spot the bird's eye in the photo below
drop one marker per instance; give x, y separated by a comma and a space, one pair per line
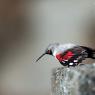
49, 51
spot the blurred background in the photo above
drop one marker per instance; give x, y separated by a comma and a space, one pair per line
26, 29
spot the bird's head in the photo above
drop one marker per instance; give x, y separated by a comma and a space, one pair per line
49, 50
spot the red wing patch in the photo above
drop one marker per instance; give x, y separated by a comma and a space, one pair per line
62, 57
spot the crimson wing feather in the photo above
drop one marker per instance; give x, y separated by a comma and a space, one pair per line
73, 56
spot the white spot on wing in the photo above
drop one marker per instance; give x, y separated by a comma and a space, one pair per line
71, 63
75, 60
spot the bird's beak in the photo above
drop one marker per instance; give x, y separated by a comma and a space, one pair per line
40, 56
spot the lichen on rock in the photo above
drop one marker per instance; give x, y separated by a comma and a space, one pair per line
79, 80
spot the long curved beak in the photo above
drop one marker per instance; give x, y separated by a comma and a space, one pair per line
40, 56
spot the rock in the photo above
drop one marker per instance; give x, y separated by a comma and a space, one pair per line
79, 80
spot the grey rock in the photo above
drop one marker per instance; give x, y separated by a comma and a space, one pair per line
79, 80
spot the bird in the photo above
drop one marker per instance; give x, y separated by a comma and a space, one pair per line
69, 54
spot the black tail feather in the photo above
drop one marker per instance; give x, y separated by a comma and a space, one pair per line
93, 54
90, 52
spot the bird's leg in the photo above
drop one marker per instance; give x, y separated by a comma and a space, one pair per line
68, 65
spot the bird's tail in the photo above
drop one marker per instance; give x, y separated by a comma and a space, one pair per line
90, 51
92, 55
